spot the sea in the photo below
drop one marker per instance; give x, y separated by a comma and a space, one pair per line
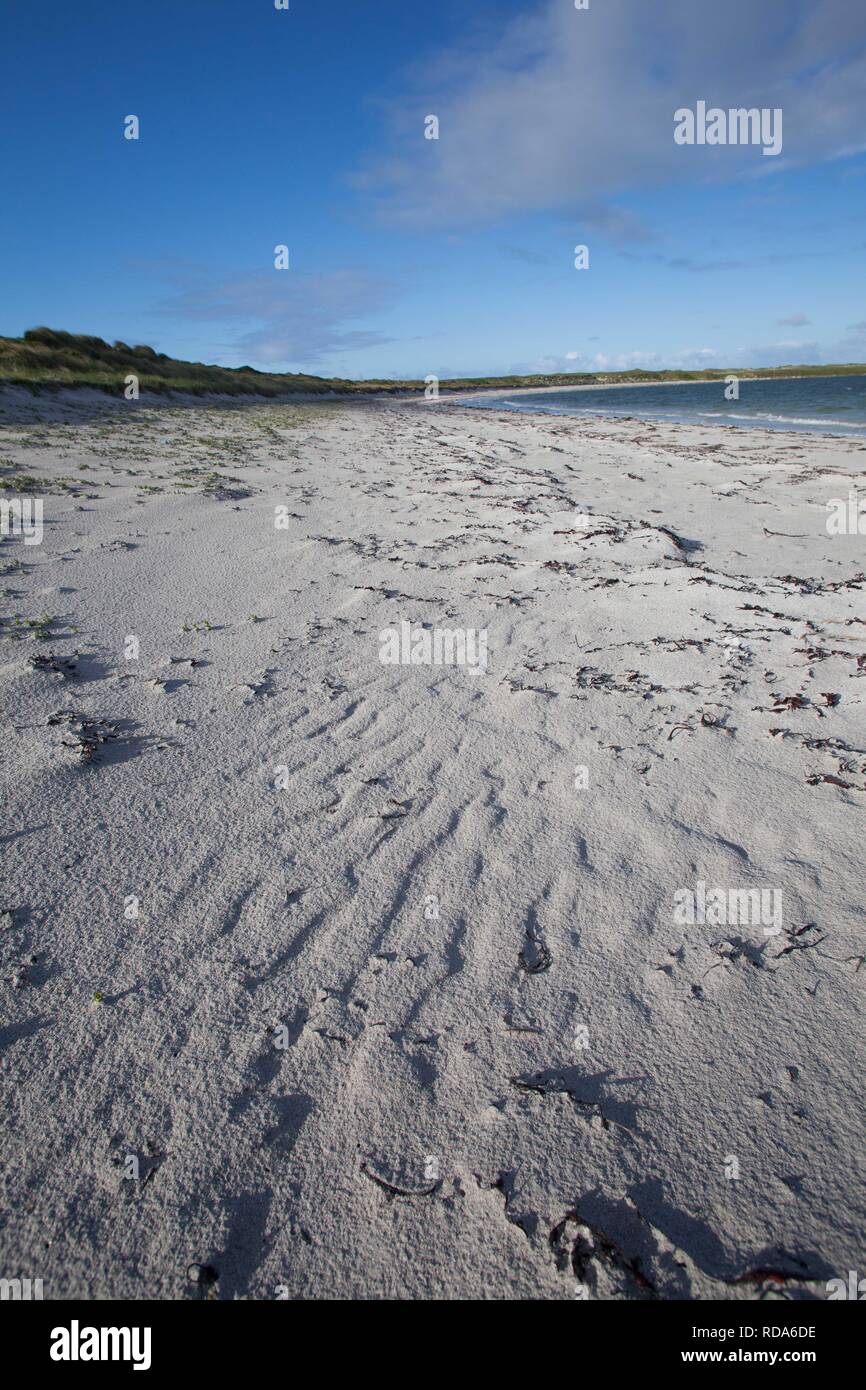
814, 404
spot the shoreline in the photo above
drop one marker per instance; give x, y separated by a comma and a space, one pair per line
21, 403
744, 423
746, 430
620, 385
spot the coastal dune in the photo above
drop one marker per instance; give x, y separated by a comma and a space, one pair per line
328, 976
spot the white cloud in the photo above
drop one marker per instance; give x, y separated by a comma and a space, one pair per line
626, 361
568, 109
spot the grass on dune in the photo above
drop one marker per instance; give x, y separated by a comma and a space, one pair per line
48, 358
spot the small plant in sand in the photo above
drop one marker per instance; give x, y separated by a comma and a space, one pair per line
201, 625
40, 628
98, 997
20, 482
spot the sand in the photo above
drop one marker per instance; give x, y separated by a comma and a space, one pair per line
329, 978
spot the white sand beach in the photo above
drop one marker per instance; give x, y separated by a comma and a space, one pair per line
327, 978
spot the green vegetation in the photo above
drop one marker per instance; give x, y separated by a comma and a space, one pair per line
18, 482
46, 358
508, 383
40, 628
12, 481
49, 358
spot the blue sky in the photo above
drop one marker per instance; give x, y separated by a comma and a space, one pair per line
411, 256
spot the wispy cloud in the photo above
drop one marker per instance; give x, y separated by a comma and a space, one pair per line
793, 321
784, 351
285, 318
693, 263
523, 253
568, 109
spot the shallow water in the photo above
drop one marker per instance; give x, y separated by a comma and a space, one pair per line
823, 404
